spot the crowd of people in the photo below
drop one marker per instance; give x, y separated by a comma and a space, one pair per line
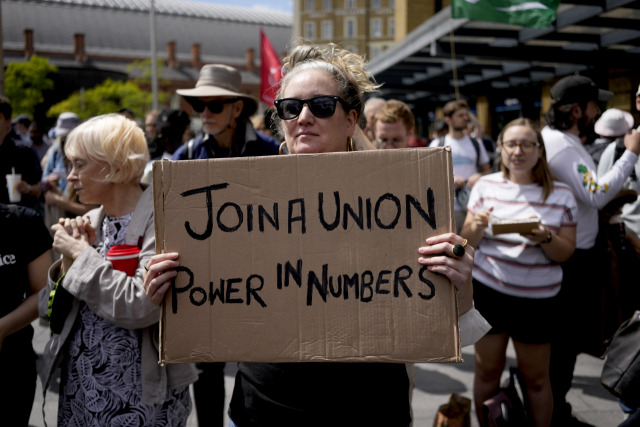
78, 193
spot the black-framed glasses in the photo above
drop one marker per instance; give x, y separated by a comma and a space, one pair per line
525, 145
321, 106
215, 106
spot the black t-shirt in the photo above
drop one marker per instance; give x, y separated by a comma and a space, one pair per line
22, 160
321, 394
24, 238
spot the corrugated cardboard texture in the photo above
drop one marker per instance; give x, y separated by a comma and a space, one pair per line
306, 258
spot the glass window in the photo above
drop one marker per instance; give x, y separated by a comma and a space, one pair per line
327, 30
309, 6
376, 27
350, 28
327, 5
310, 30
349, 4
392, 27
375, 4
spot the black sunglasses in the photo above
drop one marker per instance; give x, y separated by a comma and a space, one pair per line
216, 106
321, 106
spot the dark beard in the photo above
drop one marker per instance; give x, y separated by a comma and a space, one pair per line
587, 132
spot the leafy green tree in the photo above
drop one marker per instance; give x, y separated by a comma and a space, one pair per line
140, 71
25, 83
108, 97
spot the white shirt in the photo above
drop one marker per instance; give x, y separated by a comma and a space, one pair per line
630, 211
511, 263
464, 158
147, 176
570, 163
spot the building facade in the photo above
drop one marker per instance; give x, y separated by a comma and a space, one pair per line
368, 27
363, 26
90, 40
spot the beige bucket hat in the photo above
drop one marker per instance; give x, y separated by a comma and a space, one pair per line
220, 80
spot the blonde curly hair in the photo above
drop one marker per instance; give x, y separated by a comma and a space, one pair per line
347, 68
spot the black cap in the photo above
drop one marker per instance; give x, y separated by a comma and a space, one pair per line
176, 120
576, 88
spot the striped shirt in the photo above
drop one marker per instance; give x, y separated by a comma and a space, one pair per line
511, 263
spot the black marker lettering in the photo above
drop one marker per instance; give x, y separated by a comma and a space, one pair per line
175, 290
429, 218
253, 290
232, 290
396, 201
207, 191
262, 214
217, 293
351, 282
314, 282
301, 217
398, 281
428, 282
381, 281
239, 215
349, 212
336, 221
366, 288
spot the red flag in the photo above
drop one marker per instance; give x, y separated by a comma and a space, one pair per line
270, 70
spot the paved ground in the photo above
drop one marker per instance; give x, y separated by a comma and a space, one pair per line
433, 384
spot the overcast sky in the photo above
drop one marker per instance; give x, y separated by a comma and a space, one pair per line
274, 5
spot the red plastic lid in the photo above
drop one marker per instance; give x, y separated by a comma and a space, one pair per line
123, 251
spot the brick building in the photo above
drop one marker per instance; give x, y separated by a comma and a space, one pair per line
90, 40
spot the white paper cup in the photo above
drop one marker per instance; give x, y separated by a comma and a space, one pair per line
12, 187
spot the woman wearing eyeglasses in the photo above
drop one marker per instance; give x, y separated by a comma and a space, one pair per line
516, 276
318, 106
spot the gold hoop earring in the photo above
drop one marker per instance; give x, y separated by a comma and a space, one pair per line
350, 145
283, 149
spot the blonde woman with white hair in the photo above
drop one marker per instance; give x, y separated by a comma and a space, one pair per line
103, 325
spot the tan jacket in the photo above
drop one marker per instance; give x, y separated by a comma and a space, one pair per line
119, 299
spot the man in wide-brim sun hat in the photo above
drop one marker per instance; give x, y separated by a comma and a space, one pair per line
224, 110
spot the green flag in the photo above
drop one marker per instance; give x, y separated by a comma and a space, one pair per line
528, 13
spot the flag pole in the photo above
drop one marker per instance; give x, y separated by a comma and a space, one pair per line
154, 61
454, 66
1, 56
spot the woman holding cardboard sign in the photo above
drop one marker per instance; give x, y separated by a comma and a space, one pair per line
516, 276
319, 103
103, 326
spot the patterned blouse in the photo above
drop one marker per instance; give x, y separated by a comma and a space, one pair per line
101, 374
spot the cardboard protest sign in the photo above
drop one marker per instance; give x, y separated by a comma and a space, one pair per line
306, 258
